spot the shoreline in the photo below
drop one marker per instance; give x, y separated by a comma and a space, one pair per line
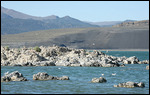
121, 49
99, 49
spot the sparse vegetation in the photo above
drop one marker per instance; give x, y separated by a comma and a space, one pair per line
37, 49
7, 48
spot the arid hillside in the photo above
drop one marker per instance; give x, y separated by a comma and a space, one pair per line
126, 37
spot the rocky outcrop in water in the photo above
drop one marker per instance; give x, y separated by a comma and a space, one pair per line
14, 76
45, 76
98, 80
61, 56
144, 62
130, 84
131, 60
147, 67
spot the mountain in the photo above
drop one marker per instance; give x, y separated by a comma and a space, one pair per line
13, 22
3, 16
128, 20
19, 15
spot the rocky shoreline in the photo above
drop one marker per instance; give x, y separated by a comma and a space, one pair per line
62, 56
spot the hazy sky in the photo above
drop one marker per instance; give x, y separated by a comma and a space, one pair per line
94, 11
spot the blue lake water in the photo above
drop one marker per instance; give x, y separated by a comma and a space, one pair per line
80, 78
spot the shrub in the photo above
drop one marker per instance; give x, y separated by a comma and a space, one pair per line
7, 48
37, 49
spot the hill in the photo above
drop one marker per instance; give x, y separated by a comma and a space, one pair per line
133, 23
109, 23
106, 23
135, 37
13, 22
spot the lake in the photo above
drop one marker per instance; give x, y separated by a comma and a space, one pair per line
80, 78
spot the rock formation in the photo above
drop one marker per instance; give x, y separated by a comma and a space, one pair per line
45, 76
147, 67
130, 84
131, 60
14, 76
62, 56
98, 80
144, 62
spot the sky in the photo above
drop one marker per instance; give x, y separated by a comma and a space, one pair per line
93, 11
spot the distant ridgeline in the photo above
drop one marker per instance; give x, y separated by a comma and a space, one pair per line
13, 22
135, 23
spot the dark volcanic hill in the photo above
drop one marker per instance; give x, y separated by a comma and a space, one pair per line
127, 37
13, 22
